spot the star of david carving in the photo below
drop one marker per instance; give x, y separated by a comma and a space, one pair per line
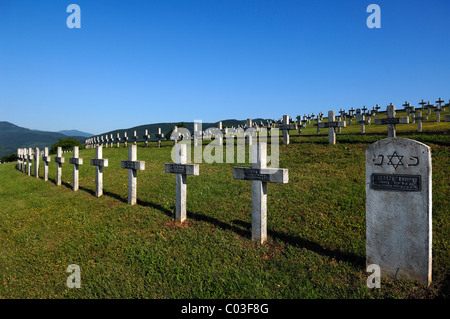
395, 160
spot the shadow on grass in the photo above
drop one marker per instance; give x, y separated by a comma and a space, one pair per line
116, 196
243, 229
65, 184
351, 258
87, 190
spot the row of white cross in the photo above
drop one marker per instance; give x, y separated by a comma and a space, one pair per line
258, 173
286, 124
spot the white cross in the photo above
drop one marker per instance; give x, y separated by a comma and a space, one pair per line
181, 169
99, 163
260, 175
133, 166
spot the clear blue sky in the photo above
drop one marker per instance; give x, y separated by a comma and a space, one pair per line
139, 62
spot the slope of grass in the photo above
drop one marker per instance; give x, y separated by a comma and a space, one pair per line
316, 229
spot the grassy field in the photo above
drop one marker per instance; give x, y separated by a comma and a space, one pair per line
316, 227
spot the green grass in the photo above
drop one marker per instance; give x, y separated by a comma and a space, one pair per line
316, 228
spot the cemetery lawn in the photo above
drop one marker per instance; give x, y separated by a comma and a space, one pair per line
316, 228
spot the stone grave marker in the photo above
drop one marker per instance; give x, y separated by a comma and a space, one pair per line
285, 127
412, 112
399, 208
99, 163
19, 159
125, 139
260, 175
419, 119
46, 159
159, 136
422, 105
135, 138
118, 140
407, 107
146, 137
351, 115
59, 160
391, 120
361, 119
331, 125
181, 170
24, 160
133, 165
36, 162
30, 159
76, 161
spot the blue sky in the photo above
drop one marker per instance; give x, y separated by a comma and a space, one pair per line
139, 62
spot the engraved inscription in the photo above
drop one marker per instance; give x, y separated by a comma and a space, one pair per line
396, 182
177, 169
255, 174
391, 120
395, 160
131, 165
96, 162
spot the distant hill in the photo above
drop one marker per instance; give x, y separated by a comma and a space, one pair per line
13, 137
165, 127
72, 133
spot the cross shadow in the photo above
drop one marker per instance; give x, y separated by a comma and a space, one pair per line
238, 230
168, 212
296, 241
65, 184
87, 190
116, 196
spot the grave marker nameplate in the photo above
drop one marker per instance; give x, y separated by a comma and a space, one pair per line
399, 208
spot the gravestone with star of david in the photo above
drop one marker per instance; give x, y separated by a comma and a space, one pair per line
399, 208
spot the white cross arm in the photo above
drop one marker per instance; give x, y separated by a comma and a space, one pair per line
270, 175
